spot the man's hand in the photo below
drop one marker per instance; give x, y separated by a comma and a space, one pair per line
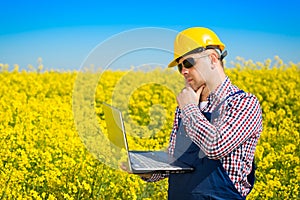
189, 96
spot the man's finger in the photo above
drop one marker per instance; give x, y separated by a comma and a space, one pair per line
199, 91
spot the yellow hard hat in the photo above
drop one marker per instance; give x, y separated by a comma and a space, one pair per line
194, 38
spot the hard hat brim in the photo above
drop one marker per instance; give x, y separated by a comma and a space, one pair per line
173, 63
196, 50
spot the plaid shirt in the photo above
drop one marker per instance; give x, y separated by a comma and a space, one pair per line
230, 138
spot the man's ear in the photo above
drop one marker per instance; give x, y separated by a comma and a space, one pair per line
214, 57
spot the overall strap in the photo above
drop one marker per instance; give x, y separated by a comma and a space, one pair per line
220, 104
214, 114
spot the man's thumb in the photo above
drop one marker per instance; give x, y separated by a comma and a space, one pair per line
199, 91
187, 84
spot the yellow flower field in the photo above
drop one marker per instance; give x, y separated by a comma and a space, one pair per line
53, 135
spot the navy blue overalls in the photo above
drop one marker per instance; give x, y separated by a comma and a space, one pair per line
209, 179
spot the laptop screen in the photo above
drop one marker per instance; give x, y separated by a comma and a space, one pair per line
115, 126
116, 132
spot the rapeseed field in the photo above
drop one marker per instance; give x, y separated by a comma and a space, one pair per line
54, 146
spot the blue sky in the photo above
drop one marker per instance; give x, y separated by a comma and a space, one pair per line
64, 33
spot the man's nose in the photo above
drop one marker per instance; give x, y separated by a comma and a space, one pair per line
184, 71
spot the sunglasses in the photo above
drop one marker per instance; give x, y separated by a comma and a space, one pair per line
188, 63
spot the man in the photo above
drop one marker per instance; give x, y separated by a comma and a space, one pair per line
216, 126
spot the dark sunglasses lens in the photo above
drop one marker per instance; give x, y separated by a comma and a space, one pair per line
179, 67
188, 63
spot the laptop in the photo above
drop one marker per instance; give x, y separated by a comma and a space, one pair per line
139, 162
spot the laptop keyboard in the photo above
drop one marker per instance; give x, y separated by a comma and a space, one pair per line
142, 161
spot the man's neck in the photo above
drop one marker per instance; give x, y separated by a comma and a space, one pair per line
217, 80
